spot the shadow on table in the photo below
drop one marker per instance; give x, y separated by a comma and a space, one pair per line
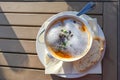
9, 47
2, 75
87, 77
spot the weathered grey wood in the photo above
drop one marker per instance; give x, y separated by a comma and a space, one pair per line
118, 41
27, 19
20, 60
46, 7
110, 30
25, 14
18, 32
9, 73
23, 19
23, 46
87, 77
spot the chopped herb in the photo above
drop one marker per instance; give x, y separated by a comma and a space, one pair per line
61, 30
64, 31
71, 35
64, 37
64, 43
69, 32
64, 48
74, 21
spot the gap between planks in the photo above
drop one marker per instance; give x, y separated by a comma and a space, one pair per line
54, 7
26, 32
20, 61
21, 46
28, 74
29, 19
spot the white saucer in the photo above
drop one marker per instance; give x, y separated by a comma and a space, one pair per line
40, 48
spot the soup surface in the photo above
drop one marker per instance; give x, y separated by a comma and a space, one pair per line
67, 38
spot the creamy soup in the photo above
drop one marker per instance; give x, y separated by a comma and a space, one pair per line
67, 38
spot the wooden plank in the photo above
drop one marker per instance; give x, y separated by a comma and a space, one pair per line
27, 19
110, 30
46, 7
118, 42
23, 19
20, 60
87, 77
9, 73
21, 46
18, 32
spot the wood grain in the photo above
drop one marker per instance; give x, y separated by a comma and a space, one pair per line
110, 30
118, 42
28, 19
47, 7
18, 32
7, 73
23, 19
21, 46
87, 77
20, 60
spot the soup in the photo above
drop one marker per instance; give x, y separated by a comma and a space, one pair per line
67, 37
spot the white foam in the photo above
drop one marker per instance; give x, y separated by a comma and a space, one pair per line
52, 36
77, 44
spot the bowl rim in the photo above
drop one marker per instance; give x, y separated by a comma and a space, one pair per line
57, 16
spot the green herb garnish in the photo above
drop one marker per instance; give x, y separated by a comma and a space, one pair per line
64, 36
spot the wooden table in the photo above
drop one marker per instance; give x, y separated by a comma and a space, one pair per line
19, 24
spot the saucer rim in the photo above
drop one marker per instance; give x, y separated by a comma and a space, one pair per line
69, 75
